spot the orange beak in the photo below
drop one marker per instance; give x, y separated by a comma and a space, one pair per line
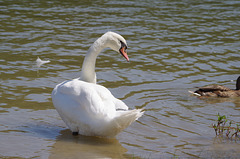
123, 52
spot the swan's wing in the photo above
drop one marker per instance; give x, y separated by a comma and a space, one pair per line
120, 105
92, 99
90, 109
107, 97
82, 108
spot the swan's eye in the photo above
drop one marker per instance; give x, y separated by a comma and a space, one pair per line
123, 45
120, 42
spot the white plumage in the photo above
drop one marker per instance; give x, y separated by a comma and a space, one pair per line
88, 108
40, 62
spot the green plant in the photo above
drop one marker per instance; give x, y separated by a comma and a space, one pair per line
224, 126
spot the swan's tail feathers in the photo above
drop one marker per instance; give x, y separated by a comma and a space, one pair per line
193, 93
125, 118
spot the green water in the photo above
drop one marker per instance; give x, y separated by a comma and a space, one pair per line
173, 46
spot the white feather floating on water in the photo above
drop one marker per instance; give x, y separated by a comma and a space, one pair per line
41, 62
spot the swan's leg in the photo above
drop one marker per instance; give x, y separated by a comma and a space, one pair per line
74, 133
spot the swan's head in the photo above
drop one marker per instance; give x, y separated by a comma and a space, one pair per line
117, 43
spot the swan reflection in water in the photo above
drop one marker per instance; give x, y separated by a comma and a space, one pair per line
68, 146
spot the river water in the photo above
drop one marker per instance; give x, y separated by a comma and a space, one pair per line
173, 45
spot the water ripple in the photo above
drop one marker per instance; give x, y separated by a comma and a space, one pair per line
173, 46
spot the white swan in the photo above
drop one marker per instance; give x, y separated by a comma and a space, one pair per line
88, 108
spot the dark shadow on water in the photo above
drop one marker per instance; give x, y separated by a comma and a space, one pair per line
68, 146
42, 131
215, 100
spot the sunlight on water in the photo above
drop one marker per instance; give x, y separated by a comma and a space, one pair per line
173, 46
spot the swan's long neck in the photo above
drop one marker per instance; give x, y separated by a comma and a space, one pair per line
88, 68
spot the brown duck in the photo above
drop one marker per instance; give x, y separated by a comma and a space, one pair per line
218, 91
